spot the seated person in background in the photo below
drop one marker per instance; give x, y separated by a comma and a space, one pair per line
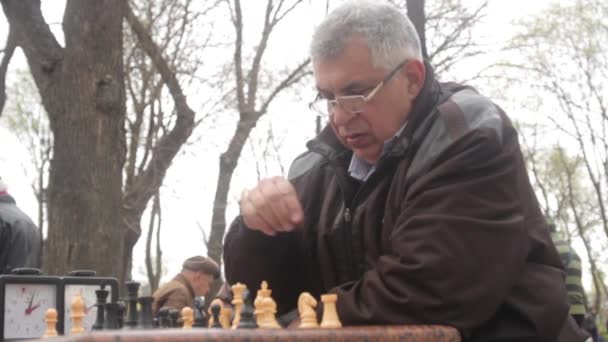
197, 275
20, 238
574, 284
413, 205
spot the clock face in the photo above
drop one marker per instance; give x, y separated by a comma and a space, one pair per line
25, 306
90, 299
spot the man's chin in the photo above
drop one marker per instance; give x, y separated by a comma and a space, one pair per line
366, 154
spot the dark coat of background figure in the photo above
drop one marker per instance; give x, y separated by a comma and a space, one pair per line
20, 238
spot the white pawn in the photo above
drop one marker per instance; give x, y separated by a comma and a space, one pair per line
50, 317
187, 317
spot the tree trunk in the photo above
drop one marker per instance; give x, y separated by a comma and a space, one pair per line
153, 262
415, 11
228, 163
87, 114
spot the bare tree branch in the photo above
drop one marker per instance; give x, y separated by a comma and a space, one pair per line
167, 147
35, 38
11, 44
295, 76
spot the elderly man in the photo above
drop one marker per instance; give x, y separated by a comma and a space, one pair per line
195, 279
20, 239
413, 205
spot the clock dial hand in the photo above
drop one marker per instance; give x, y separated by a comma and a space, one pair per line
29, 310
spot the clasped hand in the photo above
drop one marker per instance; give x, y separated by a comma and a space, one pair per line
272, 206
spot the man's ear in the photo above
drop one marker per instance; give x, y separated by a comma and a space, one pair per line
415, 73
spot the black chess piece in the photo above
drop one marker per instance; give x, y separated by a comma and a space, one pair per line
132, 289
120, 315
215, 312
163, 318
247, 320
102, 296
200, 318
146, 321
111, 319
173, 317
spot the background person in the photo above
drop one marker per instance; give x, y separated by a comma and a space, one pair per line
197, 275
20, 238
574, 284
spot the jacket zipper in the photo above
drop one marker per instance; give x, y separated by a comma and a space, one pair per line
347, 216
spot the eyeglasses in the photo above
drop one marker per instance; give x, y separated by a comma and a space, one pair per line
353, 104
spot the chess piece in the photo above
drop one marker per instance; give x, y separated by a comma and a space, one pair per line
120, 314
247, 320
111, 319
163, 318
102, 296
50, 317
225, 315
237, 301
215, 315
263, 292
146, 319
132, 289
306, 308
199, 313
187, 317
173, 317
77, 306
330, 314
268, 320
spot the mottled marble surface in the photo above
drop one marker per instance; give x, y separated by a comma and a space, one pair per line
409, 333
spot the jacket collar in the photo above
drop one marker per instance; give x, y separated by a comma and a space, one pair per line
328, 145
181, 279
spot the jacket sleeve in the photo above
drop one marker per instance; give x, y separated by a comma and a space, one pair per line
176, 299
25, 244
458, 246
5, 244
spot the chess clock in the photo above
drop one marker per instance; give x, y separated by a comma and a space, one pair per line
85, 283
25, 295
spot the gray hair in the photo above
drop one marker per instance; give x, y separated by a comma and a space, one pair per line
390, 35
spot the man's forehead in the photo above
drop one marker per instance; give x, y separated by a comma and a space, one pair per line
337, 76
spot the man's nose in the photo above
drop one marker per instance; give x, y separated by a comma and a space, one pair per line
341, 116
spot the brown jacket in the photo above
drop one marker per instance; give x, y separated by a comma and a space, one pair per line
446, 231
175, 294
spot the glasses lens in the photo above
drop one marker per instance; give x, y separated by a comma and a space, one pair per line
321, 106
352, 104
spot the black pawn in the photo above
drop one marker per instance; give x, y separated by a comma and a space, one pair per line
132, 289
215, 312
102, 296
163, 318
200, 319
173, 317
120, 314
247, 320
111, 321
146, 321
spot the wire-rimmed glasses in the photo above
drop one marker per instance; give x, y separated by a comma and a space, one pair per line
353, 104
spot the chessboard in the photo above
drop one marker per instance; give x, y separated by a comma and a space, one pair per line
243, 319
